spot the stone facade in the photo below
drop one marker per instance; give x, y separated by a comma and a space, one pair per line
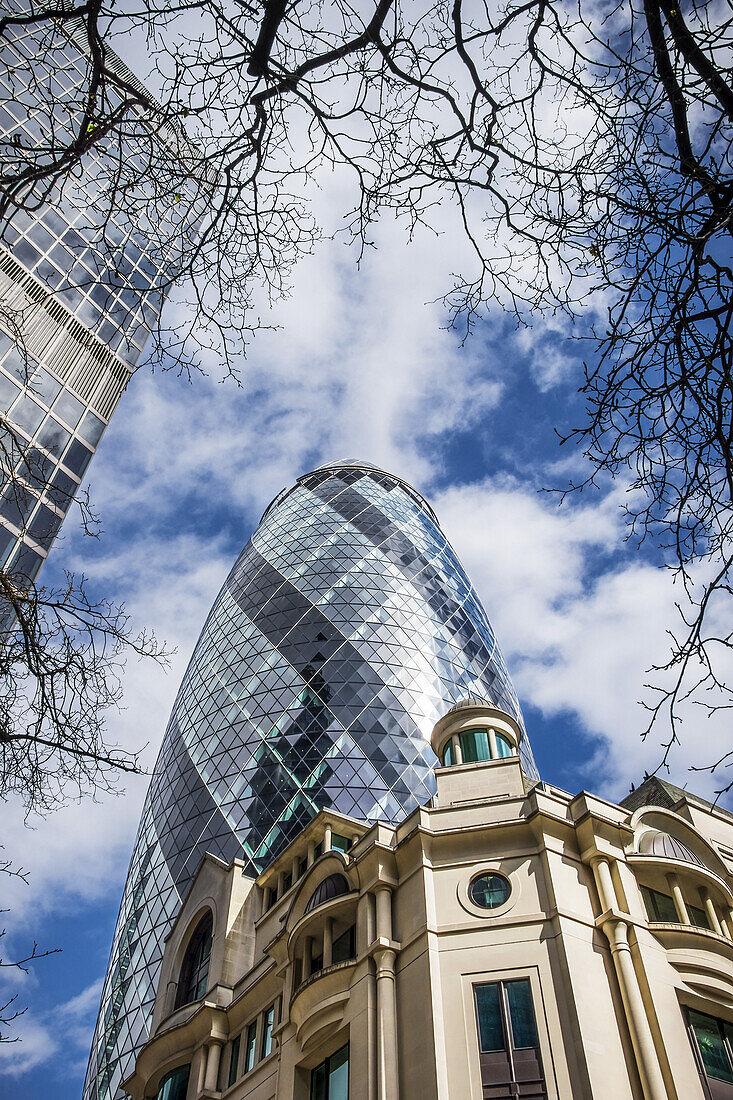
579, 925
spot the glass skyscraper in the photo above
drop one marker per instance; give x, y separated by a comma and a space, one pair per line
84, 263
345, 629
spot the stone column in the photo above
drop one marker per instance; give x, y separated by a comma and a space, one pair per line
307, 956
652, 1082
616, 931
328, 942
211, 1079
294, 869
457, 750
311, 852
711, 911
679, 901
170, 997
199, 1068
604, 883
327, 834
493, 747
388, 1087
281, 884
384, 911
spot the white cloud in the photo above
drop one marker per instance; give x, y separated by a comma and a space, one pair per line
578, 639
61, 1032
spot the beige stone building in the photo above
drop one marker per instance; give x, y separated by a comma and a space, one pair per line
506, 940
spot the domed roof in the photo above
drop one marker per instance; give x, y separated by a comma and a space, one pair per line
471, 701
668, 847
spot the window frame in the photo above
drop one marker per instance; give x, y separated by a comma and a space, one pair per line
723, 1026
233, 1071
187, 991
250, 1047
325, 1064
482, 1066
267, 1029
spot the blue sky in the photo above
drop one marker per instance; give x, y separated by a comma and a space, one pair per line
359, 366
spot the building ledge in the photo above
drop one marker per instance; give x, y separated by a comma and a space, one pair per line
322, 973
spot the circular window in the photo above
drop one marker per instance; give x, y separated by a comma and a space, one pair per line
489, 890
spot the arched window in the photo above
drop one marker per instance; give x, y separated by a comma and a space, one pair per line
476, 747
195, 967
504, 747
331, 887
174, 1084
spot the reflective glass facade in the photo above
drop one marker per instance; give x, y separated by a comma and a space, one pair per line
345, 630
82, 275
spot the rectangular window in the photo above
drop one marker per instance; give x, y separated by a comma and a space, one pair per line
711, 1040
330, 1080
509, 1053
340, 843
318, 851
659, 907
234, 1061
302, 866
345, 946
268, 1021
250, 1048
698, 917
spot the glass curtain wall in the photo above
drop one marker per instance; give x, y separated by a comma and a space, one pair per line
345, 630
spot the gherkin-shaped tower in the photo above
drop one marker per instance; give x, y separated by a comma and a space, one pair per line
345, 629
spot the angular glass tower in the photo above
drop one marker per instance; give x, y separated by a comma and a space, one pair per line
82, 274
346, 628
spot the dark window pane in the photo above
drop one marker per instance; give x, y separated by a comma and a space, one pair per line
475, 746
26, 562
448, 755
44, 526
488, 1009
698, 916
17, 504
249, 1053
521, 1013
710, 1041
344, 946
195, 967
53, 436
659, 907
36, 468
268, 1021
92, 428
234, 1061
26, 253
339, 843
318, 1082
174, 1084
7, 539
489, 890
77, 457
62, 489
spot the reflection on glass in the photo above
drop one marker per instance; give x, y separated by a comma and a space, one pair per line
709, 1036
488, 1010
521, 1013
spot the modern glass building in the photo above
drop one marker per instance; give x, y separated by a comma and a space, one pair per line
345, 630
84, 263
